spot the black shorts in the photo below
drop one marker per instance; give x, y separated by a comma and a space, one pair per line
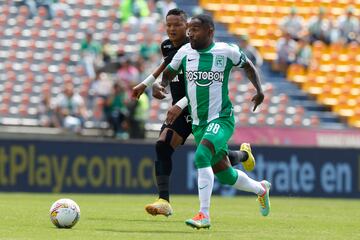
182, 126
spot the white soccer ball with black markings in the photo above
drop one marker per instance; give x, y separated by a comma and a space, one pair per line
64, 213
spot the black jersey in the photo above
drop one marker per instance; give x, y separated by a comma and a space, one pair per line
177, 85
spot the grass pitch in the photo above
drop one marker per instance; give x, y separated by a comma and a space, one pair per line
26, 216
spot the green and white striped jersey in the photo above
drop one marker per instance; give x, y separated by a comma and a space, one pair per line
206, 79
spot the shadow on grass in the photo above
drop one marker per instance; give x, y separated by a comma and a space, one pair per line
143, 231
159, 220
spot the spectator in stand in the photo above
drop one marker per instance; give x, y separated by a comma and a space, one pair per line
90, 52
348, 26
47, 4
108, 51
120, 55
101, 87
128, 75
46, 113
334, 31
303, 52
148, 48
319, 27
251, 52
61, 5
116, 111
71, 109
293, 24
138, 115
145, 69
30, 4
314, 121
164, 6
285, 49
129, 8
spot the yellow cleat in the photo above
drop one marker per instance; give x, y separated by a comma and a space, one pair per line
249, 164
159, 207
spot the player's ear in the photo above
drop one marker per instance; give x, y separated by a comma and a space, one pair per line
211, 31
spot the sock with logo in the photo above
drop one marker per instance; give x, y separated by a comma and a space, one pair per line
205, 187
247, 184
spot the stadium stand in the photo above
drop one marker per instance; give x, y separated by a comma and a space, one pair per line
333, 77
39, 56
335, 81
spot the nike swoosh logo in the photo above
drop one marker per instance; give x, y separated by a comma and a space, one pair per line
189, 60
203, 187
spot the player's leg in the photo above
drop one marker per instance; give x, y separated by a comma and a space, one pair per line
168, 141
237, 157
203, 156
205, 136
244, 156
171, 136
213, 144
231, 176
239, 180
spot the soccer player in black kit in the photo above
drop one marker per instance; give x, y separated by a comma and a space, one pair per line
175, 134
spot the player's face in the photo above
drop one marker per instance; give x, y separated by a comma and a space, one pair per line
175, 28
200, 35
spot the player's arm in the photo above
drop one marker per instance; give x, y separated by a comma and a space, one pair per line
254, 77
159, 87
169, 74
140, 88
240, 60
175, 111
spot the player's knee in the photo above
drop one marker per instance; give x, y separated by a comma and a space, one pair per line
171, 138
227, 177
202, 157
163, 149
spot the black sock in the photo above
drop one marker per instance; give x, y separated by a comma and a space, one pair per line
163, 168
163, 187
236, 157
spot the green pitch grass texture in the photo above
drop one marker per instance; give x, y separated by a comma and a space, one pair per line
26, 216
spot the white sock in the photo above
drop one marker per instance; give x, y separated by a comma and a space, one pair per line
247, 184
205, 187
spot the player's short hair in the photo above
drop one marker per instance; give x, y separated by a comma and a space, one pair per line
178, 12
205, 20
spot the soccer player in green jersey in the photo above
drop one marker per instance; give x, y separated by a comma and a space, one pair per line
207, 66
175, 134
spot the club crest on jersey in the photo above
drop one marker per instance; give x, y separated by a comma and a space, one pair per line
204, 79
219, 61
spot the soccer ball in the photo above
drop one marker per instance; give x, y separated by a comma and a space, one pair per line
64, 213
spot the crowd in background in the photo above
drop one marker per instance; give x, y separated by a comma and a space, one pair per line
295, 44
113, 74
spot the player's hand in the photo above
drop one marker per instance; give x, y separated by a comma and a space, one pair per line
173, 113
158, 91
138, 90
257, 99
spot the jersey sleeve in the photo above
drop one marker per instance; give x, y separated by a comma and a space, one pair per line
162, 49
237, 56
176, 61
169, 57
